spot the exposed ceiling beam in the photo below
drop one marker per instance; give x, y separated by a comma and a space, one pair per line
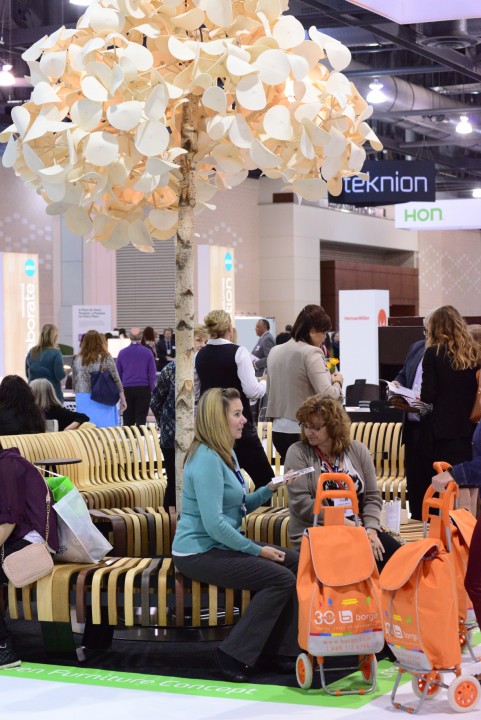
469, 110
415, 70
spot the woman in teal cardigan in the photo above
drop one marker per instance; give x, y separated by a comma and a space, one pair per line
45, 360
209, 546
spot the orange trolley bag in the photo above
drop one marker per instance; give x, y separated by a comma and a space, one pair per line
339, 608
461, 530
420, 611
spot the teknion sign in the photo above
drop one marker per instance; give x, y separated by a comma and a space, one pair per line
389, 182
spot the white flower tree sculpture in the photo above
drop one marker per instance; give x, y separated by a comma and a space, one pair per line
149, 107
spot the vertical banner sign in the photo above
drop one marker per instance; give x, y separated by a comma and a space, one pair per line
19, 321
216, 280
90, 317
361, 313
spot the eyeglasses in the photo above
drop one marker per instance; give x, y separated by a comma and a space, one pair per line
308, 426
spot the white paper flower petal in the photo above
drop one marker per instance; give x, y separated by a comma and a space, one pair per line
288, 32
33, 161
133, 8
232, 181
357, 157
159, 166
57, 208
43, 125
163, 219
219, 12
54, 174
299, 66
262, 157
227, 158
103, 225
44, 93
151, 138
335, 186
277, 123
215, 47
9, 157
238, 67
119, 237
93, 89
306, 147
337, 144
250, 93
139, 55
53, 63
139, 236
331, 166
87, 114
35, 50
318, 136
190, 20
36, 75
118, 173
149, 30
101, 148
218, 126
78, 221
338, 83
338, 55
311, 52
104, 20
157, 102
274, 67
180, 50
308, 111
204, 191
21, 118
215, 99
310, 189
240, 133
126, 115
147, 183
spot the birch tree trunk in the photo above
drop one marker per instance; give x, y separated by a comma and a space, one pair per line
184, 295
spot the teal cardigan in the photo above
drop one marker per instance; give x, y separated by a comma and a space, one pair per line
211, 507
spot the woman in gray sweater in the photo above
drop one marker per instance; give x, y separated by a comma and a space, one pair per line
326, 445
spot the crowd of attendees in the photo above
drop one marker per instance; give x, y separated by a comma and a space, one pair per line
289, 376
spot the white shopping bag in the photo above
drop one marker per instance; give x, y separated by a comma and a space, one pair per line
79, 539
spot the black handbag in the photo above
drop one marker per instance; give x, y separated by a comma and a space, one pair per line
103, 388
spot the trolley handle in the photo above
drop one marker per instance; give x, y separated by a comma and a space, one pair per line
322, 494
445, 502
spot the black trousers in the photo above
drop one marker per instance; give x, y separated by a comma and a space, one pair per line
283, 441
10, 547
138, 401
270, 624
418, 465
252, 457
169, 464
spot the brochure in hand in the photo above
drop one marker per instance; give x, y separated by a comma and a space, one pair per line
405, 399
291, 475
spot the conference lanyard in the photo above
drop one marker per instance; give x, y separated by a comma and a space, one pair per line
333, 468
240, 478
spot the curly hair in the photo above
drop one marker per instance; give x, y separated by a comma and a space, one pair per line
93, 344
16, 393
475, 332
448, 330
311, 317
333, 417
211, 424
217, 323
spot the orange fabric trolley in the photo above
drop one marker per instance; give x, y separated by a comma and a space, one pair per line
339, 607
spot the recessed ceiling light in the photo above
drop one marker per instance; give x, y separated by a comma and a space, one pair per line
6, 77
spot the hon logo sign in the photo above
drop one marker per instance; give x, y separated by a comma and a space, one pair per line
390, 182
441, 215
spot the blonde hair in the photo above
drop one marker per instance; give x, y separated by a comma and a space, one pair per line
48, 339
333, 416
211, 424
447, 329
44, 394
93, 344
475, 332
217, 323
200, 330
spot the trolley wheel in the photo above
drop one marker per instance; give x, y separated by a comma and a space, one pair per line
418, 684
304, 671
368, 667
463, 693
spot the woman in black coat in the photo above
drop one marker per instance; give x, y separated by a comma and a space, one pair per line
449, 383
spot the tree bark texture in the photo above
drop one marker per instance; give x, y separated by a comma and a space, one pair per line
184, 294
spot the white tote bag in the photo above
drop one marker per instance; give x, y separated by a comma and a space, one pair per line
79, 539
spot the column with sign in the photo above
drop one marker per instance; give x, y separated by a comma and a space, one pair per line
216, 280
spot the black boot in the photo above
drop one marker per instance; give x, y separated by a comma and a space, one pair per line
8, 656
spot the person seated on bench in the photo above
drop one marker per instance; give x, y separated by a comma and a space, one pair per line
23, 520
326, 445
19, 414
51, 407
209, 547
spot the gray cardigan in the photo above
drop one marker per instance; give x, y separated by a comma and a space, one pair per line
295, 371
303, 490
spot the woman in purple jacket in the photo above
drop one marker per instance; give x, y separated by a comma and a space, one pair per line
23, 520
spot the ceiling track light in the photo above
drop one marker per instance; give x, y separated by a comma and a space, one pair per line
375, 94
7, 78
464, 127
477, 193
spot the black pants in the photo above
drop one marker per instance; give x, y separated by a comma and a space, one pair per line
169, 465
390, 545
252, 457
138, 401
283, 441
270, 623
419, 469
10, 547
